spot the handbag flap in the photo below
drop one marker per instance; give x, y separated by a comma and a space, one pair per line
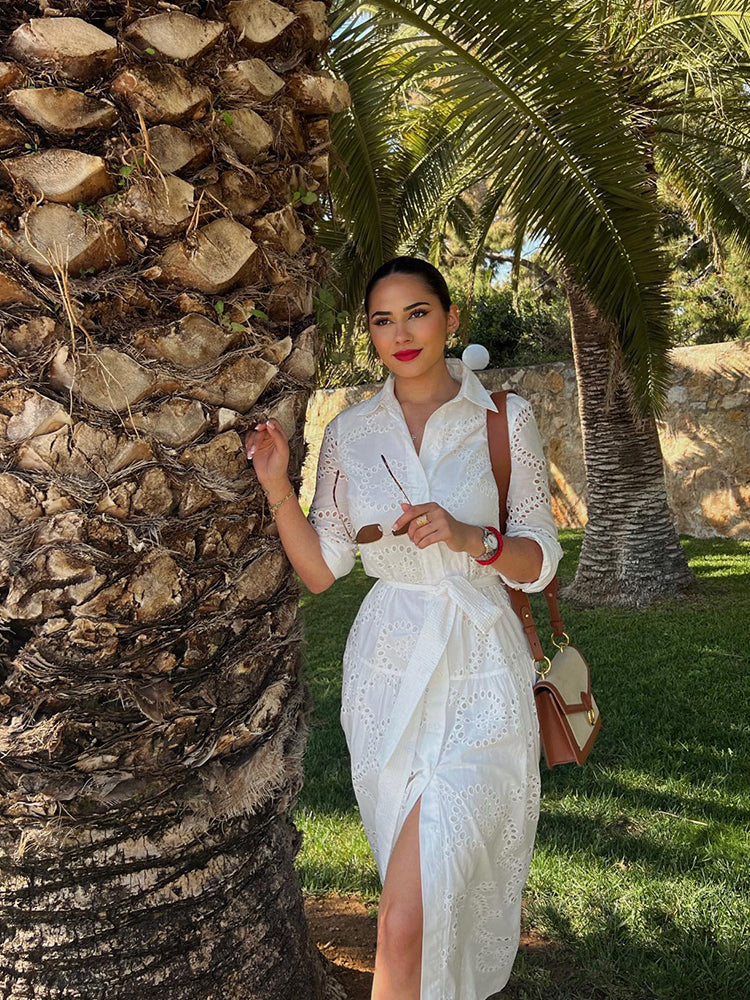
569, 678
566, 736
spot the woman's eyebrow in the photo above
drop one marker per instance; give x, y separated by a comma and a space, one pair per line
385, 312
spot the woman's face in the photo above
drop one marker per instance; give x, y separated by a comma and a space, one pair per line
406, 316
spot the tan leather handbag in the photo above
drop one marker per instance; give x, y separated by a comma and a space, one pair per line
569, 720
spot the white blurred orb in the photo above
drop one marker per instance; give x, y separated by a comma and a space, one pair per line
475, 356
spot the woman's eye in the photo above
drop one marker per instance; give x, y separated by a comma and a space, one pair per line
414, 312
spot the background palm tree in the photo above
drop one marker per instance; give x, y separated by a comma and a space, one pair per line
682, 70
161, 167
569, 116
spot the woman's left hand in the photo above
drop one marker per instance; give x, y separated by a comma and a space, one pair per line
440, 527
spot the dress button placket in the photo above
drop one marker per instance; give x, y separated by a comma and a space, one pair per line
435, 552
434, 564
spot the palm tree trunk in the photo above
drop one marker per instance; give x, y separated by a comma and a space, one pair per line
631, 552
157, 265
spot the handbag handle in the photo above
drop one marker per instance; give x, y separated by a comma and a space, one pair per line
499, 445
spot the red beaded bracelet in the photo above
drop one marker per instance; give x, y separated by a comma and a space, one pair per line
496, 533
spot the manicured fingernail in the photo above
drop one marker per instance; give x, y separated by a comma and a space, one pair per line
259, 427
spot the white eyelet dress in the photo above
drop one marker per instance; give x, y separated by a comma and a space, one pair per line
437, 694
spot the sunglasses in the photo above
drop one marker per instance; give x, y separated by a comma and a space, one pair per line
372, 532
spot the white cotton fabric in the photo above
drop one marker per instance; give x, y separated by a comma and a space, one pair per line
437, 693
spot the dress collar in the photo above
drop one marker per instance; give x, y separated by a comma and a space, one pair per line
471, 389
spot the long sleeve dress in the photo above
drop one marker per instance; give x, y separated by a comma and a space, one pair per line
437, 693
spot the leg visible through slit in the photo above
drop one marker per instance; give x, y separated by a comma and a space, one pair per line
398, 956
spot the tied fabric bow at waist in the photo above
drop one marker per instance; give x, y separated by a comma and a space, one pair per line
444, 600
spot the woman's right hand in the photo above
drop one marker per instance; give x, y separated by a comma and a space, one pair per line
268, 449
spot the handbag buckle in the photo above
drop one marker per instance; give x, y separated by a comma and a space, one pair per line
563, 644
543, 671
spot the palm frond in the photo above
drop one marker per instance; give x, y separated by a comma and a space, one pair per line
532, 102
714, 193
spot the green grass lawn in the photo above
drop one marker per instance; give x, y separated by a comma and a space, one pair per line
641, 876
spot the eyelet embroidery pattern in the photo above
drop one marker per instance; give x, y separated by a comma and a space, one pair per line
455, 906
474, 813
475, 480
330, 521
482, 717
480, 782
373, 489
537, 495
381, 556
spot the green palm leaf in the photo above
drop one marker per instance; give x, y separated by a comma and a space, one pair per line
568, 115
533, 107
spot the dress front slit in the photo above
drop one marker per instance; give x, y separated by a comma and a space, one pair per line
420, 787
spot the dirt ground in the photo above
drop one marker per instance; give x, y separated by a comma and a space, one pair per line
345, 930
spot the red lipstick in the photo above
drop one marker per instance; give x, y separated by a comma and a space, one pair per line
407, 355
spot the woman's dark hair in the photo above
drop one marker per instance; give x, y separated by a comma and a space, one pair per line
411, 265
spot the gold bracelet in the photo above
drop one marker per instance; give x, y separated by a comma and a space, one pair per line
275, 506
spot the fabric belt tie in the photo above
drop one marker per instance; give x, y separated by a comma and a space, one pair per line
444, 599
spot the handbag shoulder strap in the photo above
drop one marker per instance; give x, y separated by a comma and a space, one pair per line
499, 445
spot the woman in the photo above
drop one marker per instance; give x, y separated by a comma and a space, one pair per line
437, 701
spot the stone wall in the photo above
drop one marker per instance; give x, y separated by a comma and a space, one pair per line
705, 435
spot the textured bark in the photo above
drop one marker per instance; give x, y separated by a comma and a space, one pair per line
631, 552
153, 716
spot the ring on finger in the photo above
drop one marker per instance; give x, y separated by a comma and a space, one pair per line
422, 519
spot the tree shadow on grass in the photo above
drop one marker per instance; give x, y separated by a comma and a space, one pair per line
689, 808
626, 840
611, 961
